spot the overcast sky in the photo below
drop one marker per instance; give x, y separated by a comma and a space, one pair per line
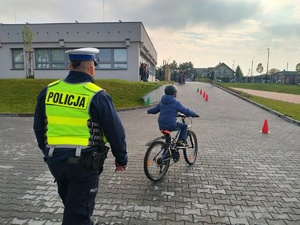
204, 32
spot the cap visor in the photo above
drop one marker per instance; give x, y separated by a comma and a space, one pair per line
95, 63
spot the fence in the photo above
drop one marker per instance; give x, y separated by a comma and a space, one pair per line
155, 95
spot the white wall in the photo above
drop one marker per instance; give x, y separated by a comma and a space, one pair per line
75, 35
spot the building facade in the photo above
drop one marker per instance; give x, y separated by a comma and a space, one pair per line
123, 47
222, 72
286, 77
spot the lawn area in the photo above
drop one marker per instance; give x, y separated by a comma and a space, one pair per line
291, 110
19, 95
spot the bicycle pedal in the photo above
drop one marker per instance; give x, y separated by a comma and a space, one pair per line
182, 147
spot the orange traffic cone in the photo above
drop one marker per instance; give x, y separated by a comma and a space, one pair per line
200, 91
265, 128
206, 97
204, 94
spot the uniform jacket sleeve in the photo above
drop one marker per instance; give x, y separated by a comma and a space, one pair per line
104, 111
39, 119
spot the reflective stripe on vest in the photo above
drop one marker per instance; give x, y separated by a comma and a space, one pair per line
67, 111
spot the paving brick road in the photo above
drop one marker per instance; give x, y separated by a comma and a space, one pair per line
241, 176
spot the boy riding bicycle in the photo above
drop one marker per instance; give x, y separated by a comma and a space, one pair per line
168, 109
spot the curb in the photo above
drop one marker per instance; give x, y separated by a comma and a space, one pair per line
288, 119
16, 115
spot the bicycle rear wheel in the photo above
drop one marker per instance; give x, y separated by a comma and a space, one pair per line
190, 153
156, 161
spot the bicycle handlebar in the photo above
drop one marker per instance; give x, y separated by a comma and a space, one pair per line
181, 115
184, 116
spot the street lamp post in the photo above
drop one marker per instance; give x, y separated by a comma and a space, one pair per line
252, 69
233, 65
267, 65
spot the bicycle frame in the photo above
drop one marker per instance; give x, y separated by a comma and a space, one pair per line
183, 117
169, 140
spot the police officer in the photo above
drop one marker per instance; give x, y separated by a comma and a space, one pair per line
73, 120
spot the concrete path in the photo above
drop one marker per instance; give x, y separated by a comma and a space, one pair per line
241, 176
272, 95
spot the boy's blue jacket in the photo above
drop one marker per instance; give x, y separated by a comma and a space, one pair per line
169, 108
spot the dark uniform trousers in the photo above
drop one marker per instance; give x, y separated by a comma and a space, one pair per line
77, 187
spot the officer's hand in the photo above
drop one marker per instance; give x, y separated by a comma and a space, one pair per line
196, 115
120, 168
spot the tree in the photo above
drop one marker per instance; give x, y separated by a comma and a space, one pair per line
259, 68
173, 69
27, 40
273, 70
160, 74
188, 68
298, 67
238, 72
160, 71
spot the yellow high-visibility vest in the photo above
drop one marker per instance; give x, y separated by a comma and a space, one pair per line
67, 111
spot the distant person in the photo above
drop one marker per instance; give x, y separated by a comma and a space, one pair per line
73, 120
147, 71
212, 77
143, 72
168, 109
181, 77
192, 77
184, 77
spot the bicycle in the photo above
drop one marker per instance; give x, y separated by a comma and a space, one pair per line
159, 154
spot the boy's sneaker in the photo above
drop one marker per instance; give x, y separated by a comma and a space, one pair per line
181, 144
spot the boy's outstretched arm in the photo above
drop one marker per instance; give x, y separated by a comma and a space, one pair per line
154, 110
186, 111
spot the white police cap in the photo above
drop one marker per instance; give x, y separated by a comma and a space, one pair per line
84, 54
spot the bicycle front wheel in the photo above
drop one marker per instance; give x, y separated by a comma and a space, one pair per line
190, 153
156, 161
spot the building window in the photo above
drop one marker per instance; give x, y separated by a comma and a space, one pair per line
50, 59
18, 59
112, 58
